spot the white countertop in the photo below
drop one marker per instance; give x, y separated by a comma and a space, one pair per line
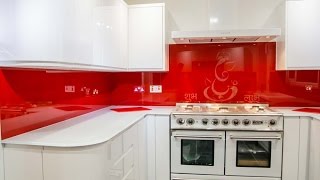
101, 126
288, 111
85, 130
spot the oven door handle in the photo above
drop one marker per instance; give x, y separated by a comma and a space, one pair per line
197, 137
256, 137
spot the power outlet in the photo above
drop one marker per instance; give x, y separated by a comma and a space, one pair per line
69, 89
155, 88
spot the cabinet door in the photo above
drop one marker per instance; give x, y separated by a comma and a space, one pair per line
115, 169
1, 162
147, 37
81, 163
23, 162
314, 163
142, 145
110, 34
303, 36
158, 148
131, 154
64, 34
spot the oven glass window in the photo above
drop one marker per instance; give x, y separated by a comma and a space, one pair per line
197, 152
254, 154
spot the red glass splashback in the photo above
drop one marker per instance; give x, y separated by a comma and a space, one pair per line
31, 99
228, 73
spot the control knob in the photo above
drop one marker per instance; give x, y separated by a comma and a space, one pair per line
272, 122
190, 121
205, 121
246, 122
180, 121
225, 122
215, 122
236, 122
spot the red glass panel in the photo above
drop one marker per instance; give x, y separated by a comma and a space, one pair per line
227, 73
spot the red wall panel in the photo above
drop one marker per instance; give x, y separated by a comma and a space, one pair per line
225, 73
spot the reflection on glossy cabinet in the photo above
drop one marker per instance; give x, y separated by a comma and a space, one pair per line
303, 35
23, 162
147, 38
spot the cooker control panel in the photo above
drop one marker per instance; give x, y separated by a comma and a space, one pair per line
263, 123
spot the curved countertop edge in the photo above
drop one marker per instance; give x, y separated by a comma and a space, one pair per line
78, 131
107, 124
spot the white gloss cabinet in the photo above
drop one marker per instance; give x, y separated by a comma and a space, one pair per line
158, 148
59, 34
147, 38
302, 36
314, 156
1, 162
301, 149
74, 163
22, 162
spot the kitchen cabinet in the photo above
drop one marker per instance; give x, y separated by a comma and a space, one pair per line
148, 50
23, 162
1, 162
81, 163
314, 151
302, 36
158, 148
301, 150
58, 34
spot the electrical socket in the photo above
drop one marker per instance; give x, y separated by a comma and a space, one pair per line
69, 89
155, 88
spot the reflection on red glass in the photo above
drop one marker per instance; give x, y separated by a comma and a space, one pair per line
228, 73
31, 99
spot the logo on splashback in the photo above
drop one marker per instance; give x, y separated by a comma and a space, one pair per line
221, 88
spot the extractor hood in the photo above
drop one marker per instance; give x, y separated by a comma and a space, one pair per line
226, 36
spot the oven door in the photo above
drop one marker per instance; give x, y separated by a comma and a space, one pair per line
254, 154
197, 152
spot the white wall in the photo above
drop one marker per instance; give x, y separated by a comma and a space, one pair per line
220, 14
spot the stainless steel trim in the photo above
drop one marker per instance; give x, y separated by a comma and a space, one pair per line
197, 137
226, 129
256, 137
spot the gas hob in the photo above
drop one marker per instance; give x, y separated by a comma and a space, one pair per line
255, 117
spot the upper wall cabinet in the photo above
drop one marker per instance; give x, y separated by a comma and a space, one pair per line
148, 50
72, 34
303, 37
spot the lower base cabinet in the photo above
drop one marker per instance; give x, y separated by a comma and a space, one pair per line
301, 150
23, 162
75, 163
142, 152
158, 148
1, 163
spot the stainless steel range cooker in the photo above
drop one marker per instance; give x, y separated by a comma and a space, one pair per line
226, 141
